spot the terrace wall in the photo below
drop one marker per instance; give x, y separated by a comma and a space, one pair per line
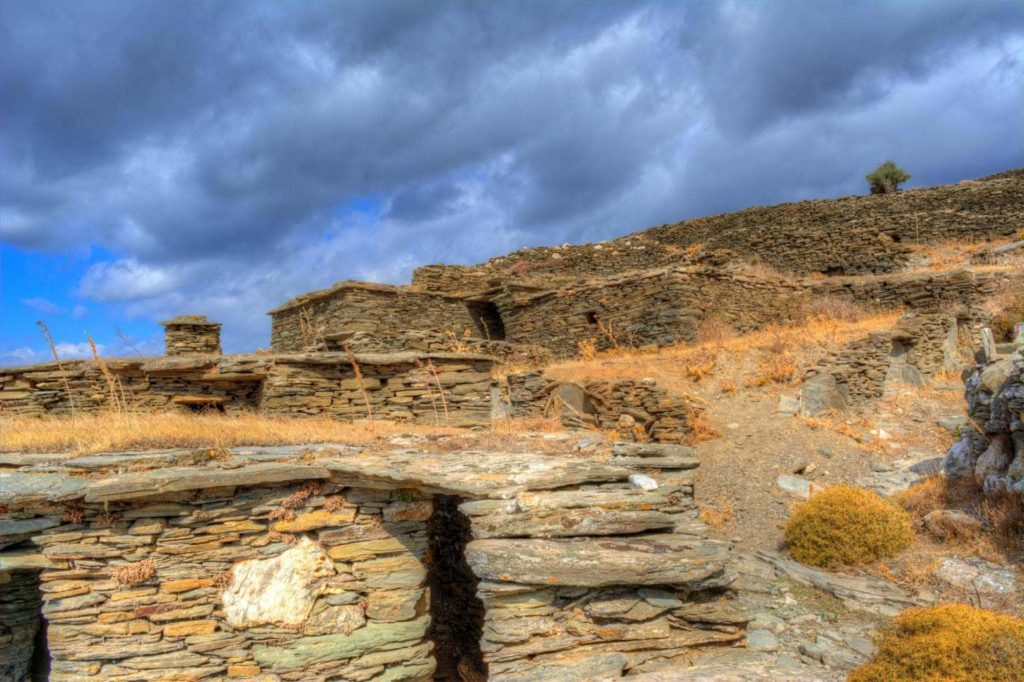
856, 235
428, 388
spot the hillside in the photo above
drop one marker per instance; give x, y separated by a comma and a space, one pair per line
848, 236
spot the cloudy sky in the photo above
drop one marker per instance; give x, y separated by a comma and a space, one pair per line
219, 157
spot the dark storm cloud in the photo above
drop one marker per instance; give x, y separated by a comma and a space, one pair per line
237, 153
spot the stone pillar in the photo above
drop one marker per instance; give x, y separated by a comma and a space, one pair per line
191, 335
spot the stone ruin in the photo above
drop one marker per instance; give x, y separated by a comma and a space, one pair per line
191, 335
324, 562
990, 451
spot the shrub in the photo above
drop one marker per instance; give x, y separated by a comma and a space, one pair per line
953, 642
844, 526
887, 178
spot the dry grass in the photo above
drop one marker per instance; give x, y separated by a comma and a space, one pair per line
1007, 307
116, 432
777, 368
846, 526
952, 642
676, 368
1002, 516
717, 518
105, 432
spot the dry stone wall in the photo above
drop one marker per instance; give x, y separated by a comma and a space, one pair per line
635, 409
921, 345
326, 319
191, 335
657, 307
956, 291
854, 235
324, 563
992, 454
432, 388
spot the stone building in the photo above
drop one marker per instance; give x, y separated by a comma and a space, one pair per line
326, 563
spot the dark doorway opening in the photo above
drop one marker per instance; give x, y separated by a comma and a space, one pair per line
456, 613
488, 320
592, 318
24, 650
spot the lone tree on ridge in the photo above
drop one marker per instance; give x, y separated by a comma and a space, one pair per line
887, 178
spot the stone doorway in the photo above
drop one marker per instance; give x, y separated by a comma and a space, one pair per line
24, 652
457, 614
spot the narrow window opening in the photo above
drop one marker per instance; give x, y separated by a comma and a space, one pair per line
592, 318
457, 614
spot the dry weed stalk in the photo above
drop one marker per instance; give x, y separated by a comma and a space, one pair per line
114, 385
440, 389
362, 385
60, 366
313, 335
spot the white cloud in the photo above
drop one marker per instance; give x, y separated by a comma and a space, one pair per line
43, 305
20, 356
71, 351
127, 279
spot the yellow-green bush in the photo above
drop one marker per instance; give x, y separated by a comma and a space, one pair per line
844, 526
953, 643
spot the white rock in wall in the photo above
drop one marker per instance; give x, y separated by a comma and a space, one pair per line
280, 590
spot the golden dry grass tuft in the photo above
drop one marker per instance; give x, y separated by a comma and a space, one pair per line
799, 342
846, 526
104, 432
952, 643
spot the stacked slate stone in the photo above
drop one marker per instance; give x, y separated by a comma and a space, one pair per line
660, 307
851, 236
962, 291
637, 410
191, 335
324, 563
443, 388
294, 581
435, 341
851, 377
992, 455
319, 319
430, 388
604, 580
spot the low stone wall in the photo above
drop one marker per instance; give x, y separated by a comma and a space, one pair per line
326, 563
312, 321
655, 307
920, 346
991, 451
635, 409
958, 290
432, 388
435, 341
